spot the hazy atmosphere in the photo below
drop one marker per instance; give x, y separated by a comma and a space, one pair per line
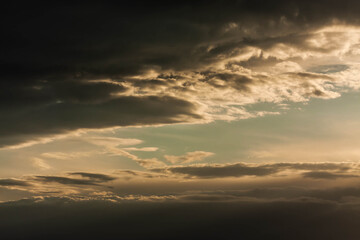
180, 120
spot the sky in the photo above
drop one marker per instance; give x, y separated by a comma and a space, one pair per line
231, 119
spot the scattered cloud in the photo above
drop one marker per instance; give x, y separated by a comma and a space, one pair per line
146, 163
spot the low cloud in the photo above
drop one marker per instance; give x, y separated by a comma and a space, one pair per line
246, 169
327, 175
10, 182
65, 180
219, 171
202, 216
86, 179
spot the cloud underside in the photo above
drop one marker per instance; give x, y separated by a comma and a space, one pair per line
59, 118
173, 64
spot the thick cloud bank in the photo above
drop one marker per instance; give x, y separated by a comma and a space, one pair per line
68, 67
61, 218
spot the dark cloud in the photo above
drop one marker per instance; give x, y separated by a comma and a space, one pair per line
50, 52
86, 179
215, 171
242, 169
42, 92
326, 175
122, 111
314, 166
339, 195
65, 180
9, 182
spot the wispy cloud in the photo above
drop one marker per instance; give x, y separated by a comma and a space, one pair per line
188, 157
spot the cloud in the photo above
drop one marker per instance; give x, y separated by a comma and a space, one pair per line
314, 166
128, 174
123, 111
64, 180
64, 156
86, 179
188, 157
9, 182
326, 175
40, 163
79, 219
113, 141
146, 163
174, 64
94, 176
246, 169
324, 69
216, 171
143, 149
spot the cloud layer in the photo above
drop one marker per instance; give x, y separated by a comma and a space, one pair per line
171, 63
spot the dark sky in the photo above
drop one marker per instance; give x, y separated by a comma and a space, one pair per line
89, 91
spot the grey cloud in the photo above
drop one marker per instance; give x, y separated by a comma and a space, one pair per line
65, 180
122, 111
339, 195
47, 61
236, 81
9, 182
314, 166
326, 175
150, 84
86, 179
216, 171
43, 92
